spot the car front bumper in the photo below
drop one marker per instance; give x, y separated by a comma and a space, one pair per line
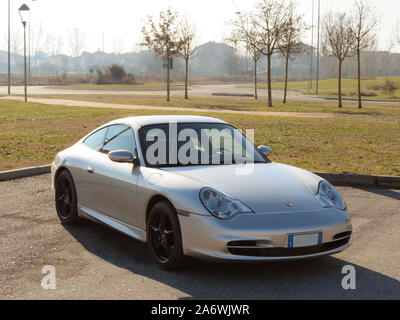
264, 237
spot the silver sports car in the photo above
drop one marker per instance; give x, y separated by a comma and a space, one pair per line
196, 186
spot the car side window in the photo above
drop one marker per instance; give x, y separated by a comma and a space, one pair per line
96, 140
119, 137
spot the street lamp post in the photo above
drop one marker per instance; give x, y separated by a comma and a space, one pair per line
29, 42
319, 15
24, 12
312, 50
9, 50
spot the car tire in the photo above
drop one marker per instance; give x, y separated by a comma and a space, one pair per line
164, 236
66, 199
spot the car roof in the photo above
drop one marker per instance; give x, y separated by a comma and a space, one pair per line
138, 122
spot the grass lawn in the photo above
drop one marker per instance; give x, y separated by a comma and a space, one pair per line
119, 87
232, 103
32, 134
329, 88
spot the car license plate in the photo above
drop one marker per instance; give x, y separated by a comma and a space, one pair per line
305, 240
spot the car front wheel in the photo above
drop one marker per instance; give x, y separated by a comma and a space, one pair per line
164, 236
66, 199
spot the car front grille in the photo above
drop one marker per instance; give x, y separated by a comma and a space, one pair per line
258, 251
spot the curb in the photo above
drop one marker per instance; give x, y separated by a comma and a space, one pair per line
24, 173
357, 180
351, 180
246, 95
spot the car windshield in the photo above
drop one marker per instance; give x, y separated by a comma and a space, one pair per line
167, 145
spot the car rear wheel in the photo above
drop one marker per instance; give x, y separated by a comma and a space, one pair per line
66, 199
164, 236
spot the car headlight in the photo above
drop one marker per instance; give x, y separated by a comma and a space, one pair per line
329, 196
221, 205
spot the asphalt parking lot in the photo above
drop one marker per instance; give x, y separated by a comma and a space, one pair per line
93, 262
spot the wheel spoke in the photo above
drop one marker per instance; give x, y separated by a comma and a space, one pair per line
158, 244
67, 203
64, 185
163, 221
166, 248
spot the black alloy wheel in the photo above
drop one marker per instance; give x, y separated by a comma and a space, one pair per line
164, 236
66, 200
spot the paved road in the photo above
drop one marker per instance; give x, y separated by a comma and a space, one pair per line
195, 90
94, 262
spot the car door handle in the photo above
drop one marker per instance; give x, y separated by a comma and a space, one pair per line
90, 169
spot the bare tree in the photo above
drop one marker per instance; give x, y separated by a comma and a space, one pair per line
188, 33
38, 42
58, 50
16, 42
365, 23
16, 47
389, 49
337, 41
290, 43
270, 20
76, 45
51, 40
397, 32
244, 33
162, 37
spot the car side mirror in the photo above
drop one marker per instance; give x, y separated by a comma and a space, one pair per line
265, 150
123, 156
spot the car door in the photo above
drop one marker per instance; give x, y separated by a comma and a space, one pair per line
85, 187
114, 184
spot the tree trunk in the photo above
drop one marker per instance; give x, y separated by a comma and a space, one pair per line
186, 78
340, 84
359, 79
255, 80
168, 66
269, 82
286, 78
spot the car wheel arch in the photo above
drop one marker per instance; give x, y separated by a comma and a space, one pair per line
153, 201
58, 172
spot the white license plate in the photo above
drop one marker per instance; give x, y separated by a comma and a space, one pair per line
305, 240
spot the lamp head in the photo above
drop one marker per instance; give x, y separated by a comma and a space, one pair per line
24, 12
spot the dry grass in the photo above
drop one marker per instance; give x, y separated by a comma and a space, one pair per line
232, 103
371, 88
32, 134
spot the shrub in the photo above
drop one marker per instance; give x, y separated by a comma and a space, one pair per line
117, 72
388, 87
363, 93
130, 78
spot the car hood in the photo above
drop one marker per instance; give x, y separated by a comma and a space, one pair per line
266, 188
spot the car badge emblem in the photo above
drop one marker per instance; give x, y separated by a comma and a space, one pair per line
289, 204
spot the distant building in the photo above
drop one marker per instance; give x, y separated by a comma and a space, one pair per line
213, 59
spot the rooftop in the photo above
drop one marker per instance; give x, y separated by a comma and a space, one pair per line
142, 121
